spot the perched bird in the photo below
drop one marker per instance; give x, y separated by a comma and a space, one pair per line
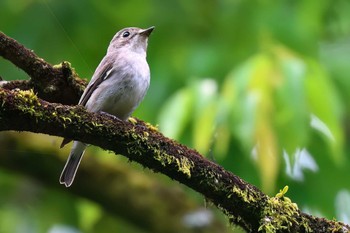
117, 87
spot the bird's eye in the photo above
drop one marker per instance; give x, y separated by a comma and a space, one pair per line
126, 34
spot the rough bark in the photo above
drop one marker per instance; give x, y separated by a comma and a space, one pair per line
243, 203
46, 80
118, 189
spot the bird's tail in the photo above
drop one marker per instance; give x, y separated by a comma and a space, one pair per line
72, 164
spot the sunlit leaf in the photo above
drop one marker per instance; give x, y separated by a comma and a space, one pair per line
205, 114
254, 114
324, 104
176, 113
240, 105
292, 116
203, 128
262, 86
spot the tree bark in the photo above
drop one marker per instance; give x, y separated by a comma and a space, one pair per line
46, 80
243, 203
114, 186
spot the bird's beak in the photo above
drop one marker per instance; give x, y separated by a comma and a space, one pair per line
147, 32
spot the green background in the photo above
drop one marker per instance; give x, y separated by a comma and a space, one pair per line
261, 87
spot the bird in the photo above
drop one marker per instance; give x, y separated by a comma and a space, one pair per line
117, 87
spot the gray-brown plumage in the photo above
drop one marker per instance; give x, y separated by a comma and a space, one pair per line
117, 87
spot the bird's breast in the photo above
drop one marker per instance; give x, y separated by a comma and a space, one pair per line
123, 90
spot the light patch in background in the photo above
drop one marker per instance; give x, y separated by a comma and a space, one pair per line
63, 229
302, 160
342, 206
254, 153
312, 211
319, 125
198, 219
208, 87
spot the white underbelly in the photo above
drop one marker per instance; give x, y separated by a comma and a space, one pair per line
118, 97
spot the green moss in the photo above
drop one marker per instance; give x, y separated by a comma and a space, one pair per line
70, 74
244, 194
95, 124
163, 158
212, 178
280, 213
145, 135
28, 96
65, 65
133, 134
337, 227
183, 164
132, 148
132, 120
65, 119
58, 66
27, 101
152, 127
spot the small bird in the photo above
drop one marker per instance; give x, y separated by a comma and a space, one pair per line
117, 87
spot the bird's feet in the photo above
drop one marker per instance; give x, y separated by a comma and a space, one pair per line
110, 115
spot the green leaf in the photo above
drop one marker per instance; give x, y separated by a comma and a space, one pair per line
176, 113
324, 104
206, 101
292, 115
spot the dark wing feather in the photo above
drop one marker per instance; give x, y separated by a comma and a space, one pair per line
95, 82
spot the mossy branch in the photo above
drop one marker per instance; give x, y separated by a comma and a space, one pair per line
114, 186
47, 81
243, 203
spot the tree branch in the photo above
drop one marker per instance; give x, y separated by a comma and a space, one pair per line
243, 203
47, 81
112, 185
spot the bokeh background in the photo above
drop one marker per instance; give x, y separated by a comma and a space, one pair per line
260, 87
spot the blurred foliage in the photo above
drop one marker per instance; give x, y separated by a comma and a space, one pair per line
243, 82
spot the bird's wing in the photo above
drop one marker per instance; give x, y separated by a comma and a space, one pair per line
102, 72
100, 75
